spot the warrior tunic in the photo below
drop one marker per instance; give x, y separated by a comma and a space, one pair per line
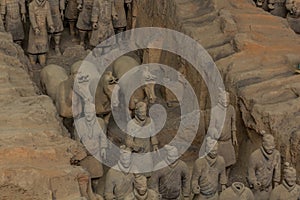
40, 17
102, 13
56, 6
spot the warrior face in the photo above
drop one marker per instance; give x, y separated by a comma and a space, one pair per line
268, 144
172, 154
141, 185
125, 159
213, 153
90, 116
224, 99
290, 176
141, 111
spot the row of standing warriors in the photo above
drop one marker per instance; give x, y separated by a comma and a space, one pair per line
209, 176
283, 8
95, 19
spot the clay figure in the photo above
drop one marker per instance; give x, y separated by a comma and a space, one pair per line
172, 181
295, 148
71, 15
264, 168
13, 14
227, 139
95, 140
57, 11
141, 141
277, 8
102, 15
84, 23
119, 182
237, 191
293, 17
208, 173
141, 191
40, 22
132, 14
120, 23
288, 190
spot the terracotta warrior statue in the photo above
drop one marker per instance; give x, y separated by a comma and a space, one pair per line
288, 190
84, 23
40, 23
208, 173
295, 148
237, 191
227, 139
13, 13
57, 11
264, 168
84, 179
119, 182
293, 17
103, 13
132, 14
121, 23
71, 15
172, 181
141, 191
95, 141
141, 141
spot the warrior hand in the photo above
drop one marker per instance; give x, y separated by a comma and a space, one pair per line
62, 14
79, 7
37, 31
115, 17
271, 6
276, 184
52, 29
24, 18
155, 148
196, 189
95, 26
256, 186
103, 153
234, 141
223, 187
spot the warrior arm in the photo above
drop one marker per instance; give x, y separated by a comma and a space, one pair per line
251, 171
154, 181
2, 7
23, 7
113, 9
95, 11
277, 169
110, 184
186, 179
233, 120
62, 4
154, 141
32, 16
103, 137
49, 16
196, 174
